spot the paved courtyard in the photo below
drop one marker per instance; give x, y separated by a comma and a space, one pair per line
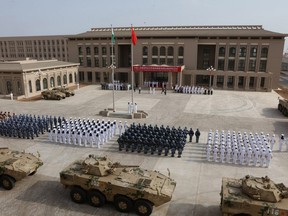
198, 181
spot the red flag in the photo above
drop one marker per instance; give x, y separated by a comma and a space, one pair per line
133, 37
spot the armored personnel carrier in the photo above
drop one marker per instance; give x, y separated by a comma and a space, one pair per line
15, 165
251, 196
68, 92
283, 106
53, 95
97, 180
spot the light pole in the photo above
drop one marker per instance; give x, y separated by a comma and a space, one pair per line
210, 69
112, 66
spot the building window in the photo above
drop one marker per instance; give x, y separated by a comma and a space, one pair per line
264, 52
241, 65
262, 82
52, 82
81, 61
252, 65
251, 82
162, 51
262, 66
155, 51
104, 51
180, 61
181, 51
220, 81
162, 61
88, 51
70, 78
221, 64
30, 86
58, 80
19, 87
81, 76
222, 51
96, 51
96, 61
45, 83
230, 82
104, 62
170, 61
9, 87
38, 86
80, 51
145, 51
65, 79
253, 52
240, 82
144, 61
231, 64
88, 61
232, 52
154, 60
242, 52
97, 75
105, 76
170, 51
89, 76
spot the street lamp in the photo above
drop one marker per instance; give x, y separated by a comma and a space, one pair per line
210, 69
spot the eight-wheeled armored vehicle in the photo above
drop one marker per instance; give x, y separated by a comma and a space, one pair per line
53, 95
98, 179
251, 196
15, 165
68, 92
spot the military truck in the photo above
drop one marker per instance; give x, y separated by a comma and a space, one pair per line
68, 92
283, 106
53, 95
251, 196
15, 165
97, 180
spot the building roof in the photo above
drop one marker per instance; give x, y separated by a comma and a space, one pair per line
30, 65
182, 31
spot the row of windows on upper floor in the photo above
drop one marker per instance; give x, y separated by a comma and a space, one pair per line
30, 42
155, 50
29, 49
241, 65
242, 52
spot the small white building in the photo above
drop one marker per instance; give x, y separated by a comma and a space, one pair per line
28, 78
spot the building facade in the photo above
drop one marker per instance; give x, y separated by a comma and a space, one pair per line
244, 57
29, 78
34, 47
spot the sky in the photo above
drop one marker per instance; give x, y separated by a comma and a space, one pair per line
63, 17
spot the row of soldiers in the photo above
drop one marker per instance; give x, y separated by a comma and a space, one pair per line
24, 126
244, 149
153, 139
82, 132
193, 90
4, 115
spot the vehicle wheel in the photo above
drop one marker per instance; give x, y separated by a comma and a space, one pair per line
78, 195
143, 207
279, 107
7, 182
96, 198
123, 204
58, 98
285, 112
33, 173
45, 97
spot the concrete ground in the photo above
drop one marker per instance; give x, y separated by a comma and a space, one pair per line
198, 181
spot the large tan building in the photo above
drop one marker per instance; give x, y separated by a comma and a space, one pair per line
27, 78
244, 57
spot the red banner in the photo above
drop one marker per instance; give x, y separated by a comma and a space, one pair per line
158, 68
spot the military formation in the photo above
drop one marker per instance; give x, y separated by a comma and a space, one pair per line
4, 115
237, 148
193, 90
83, 132
25, 126
153, 140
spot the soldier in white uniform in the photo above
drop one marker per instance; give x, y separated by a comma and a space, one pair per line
215, 154
208, 151
268, 158
281, 141
256, 156
272, 141
242, 155
222, 154
90, 139
235, 156
79, 137
68, 138
249, 156
74, 135
263, 157
228, 155
120, 128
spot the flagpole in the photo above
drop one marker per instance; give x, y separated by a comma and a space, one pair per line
113, 67
132, 72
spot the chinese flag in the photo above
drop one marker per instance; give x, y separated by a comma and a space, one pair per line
133, 37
